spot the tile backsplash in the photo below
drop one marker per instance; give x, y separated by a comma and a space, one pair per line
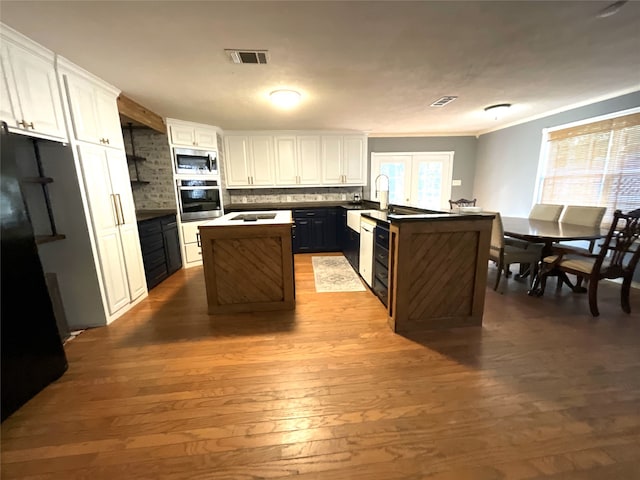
289, 195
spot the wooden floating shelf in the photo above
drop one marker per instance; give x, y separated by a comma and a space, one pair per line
40, 239
40, 180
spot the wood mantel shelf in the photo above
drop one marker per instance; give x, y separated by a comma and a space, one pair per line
248, 265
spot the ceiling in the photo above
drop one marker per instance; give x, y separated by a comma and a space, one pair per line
366, 66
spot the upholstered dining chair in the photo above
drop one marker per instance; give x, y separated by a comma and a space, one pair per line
546, 211
504, 254
461, 202
587, 216
617, 258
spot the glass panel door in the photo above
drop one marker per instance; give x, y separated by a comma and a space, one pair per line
431, 180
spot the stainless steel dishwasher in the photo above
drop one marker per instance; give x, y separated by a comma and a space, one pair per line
367, 227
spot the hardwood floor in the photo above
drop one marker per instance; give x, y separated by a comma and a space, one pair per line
541, 391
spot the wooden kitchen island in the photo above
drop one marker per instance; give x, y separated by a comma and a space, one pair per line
437, 270
248, 262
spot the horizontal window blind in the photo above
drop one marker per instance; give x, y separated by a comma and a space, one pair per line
595, 164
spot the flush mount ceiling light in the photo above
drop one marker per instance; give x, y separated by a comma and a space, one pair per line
497, 111
285, 98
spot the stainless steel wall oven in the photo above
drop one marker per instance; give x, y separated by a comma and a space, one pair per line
199, 199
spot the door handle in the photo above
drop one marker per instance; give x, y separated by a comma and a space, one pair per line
115, 209
121, 211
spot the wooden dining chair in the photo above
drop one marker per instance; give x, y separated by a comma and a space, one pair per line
504, 254
617, 258
461, 202
546, 211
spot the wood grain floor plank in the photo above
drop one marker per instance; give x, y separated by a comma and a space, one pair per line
541, 391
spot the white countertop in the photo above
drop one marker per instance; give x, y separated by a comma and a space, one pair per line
280, 217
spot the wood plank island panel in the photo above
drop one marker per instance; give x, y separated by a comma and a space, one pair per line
438, 273
248, 268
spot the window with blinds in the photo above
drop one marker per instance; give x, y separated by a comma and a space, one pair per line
594, 164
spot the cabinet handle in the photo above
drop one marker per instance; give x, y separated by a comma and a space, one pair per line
30, 125
121, 211
25, 124
106, 140
198, 239
102, 140
115, 209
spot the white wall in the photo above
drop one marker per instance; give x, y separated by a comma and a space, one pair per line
507, 160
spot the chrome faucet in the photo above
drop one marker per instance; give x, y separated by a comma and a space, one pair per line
384, 202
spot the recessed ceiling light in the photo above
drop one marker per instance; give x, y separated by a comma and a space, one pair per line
611, 9
496, 111
285, 98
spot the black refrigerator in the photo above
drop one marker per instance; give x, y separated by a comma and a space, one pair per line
31, 355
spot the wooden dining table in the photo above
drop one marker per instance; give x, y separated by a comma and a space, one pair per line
548, 233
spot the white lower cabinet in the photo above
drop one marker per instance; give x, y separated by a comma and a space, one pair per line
108, 190
191, 243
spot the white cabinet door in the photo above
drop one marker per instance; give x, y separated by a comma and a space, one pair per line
8, 111
332, 172
194, 136
182, 135
94, 112
261, 155
121, 188
84, 109
205, 138
37, 102
236, 161
309, 166
354, 160
109, 119
103, 208
286, 160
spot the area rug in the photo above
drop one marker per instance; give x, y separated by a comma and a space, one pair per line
334, 274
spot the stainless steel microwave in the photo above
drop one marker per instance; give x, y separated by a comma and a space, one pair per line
195, 162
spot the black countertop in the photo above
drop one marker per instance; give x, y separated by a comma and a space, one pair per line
365, 204
142, 215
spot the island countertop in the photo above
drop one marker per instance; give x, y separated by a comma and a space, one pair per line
263, 217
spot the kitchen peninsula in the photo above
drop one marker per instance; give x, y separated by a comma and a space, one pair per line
248, 262
437, 270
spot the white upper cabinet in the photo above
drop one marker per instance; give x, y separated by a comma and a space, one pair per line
354, 165
296, 159
249, 161
29, 92
344, 160
309, 167
236, 161
94, 109
261, 160
286, 160
193, 136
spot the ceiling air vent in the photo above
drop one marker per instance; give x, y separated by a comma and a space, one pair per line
247, 56
441, 102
